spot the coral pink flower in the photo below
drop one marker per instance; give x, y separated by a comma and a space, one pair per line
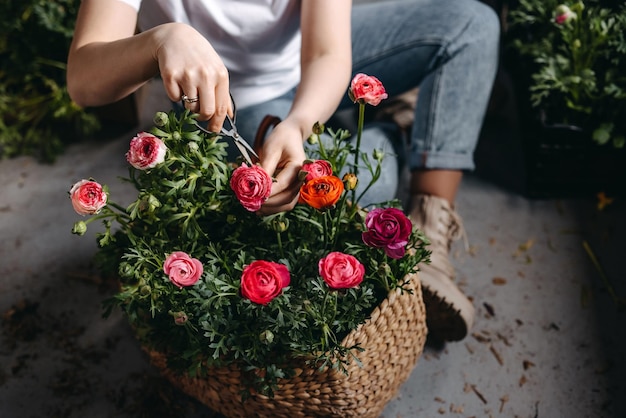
388, 228
88, 197
262, 281
317, 168
182, 269
367, 89
252, 186
146, 151
341, 271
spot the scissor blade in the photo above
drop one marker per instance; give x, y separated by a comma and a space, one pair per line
244, 148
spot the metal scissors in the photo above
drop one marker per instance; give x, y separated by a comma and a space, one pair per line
231, 131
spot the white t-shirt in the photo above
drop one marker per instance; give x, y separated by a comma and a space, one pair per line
258, 40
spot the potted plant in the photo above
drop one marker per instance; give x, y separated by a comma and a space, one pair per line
316, 311
569, 62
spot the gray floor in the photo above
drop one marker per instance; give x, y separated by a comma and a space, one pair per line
549, 339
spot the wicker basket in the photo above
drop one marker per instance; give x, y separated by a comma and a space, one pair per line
393, 339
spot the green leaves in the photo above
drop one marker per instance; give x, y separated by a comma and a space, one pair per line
577, 67
186, 204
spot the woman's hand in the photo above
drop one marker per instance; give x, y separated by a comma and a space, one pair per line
282, 156
190, 66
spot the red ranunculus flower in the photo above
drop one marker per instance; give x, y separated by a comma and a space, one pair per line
252, 186
146, 151
322, 192
341, 271
367, 89
88, 197
388, 228
182, 269
317, 168
262, 281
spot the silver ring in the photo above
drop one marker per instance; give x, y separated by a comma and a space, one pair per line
188, 99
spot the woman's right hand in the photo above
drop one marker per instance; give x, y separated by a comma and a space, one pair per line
189, 66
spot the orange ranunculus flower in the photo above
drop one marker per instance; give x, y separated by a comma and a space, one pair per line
322, 192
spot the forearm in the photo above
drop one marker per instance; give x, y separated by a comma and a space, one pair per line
324, 83
103, 72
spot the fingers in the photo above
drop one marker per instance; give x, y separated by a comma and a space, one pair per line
285, 191
204, 91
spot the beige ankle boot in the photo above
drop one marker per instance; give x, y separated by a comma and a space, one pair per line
449, 313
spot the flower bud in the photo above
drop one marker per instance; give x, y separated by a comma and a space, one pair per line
378, 154
145, 290
80, 228
126, 270
313, 139
161, 119
180, 318
193, 146
384, 270
318, 128
152, 203
350, 181
280, 224
266, 336
176, 136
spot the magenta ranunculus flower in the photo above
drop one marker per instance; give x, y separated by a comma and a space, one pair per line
388, 228
367, 89
252, 186
262, 281
317, 168
341, 271
88, 197
182, 269
146, 151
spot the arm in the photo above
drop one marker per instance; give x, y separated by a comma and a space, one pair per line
107, 61
326, 61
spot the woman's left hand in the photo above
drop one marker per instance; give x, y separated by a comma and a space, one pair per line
282, 156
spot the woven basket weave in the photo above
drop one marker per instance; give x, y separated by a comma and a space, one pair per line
393, 339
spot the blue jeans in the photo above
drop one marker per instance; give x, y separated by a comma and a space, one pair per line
449, 48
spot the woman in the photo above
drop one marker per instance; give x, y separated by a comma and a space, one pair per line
294, 59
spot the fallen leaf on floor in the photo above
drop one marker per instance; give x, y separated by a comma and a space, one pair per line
603, 201
498, 281
438, 399
503, 401
522, 381
527, 364
480, 395
489, 309
496, 354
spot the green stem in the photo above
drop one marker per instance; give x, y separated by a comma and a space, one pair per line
280, 244
357, 151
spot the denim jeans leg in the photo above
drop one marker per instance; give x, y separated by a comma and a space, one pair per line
447, 48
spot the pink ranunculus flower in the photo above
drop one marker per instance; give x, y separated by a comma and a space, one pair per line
317, 168
388, 228
146, 151
341, 271
88, 197
564, 14
252, 186
367, 89
262, 281
182, 269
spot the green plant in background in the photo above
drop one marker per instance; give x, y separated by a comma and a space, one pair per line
37, 115
577, 51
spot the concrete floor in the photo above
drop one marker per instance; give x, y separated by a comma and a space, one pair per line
549, 339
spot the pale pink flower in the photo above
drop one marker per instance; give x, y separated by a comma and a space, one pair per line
146, 151
182, 269
88, 197
367, 89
